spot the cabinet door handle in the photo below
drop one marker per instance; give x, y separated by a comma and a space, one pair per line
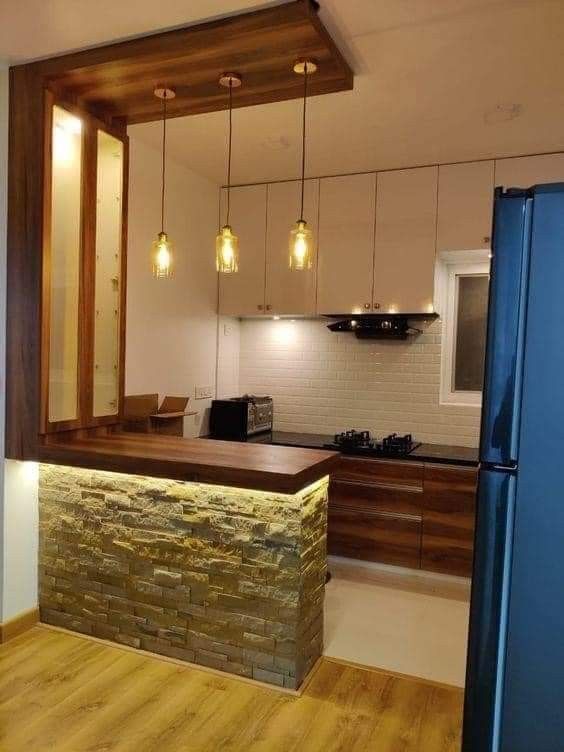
376, 306
367, 306
260, 307
269, 308
487, 239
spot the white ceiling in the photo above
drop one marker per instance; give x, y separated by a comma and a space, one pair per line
32, 29
430, 75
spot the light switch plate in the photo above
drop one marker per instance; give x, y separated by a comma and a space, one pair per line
203, 392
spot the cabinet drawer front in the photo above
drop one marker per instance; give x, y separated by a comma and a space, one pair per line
374, 536
375, 497
447, 545
451, 490
391, 473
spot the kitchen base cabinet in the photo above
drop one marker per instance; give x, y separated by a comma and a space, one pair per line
375, 511
374, 536
448, 519
407, 513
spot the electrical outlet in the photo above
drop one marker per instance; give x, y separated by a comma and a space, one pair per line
203, 392
227, 330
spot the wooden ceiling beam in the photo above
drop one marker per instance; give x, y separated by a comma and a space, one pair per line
118, 80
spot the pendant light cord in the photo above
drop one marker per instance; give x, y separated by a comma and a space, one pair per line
229, 148
164, 163
304, 141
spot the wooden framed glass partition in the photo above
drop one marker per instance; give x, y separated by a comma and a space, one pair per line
83, 291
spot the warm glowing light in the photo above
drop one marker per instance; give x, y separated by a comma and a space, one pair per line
430, 308
284, 333
393, 309
66, 129
162, 257
227, 251
300, 247
30, 471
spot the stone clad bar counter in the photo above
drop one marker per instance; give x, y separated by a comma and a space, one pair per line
216, 575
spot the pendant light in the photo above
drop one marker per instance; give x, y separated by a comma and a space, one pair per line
301, 239
162, 248
226, 243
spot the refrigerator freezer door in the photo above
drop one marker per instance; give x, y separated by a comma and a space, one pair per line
488, 609
533, 701
508, 290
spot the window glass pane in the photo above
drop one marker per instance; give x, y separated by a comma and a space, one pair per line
471, 318
65, 265
108, 264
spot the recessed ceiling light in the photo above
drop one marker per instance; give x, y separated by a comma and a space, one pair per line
502, 113
276, 143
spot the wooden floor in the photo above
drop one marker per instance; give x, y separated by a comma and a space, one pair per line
64, 693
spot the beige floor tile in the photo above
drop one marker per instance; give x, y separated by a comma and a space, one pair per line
410, 622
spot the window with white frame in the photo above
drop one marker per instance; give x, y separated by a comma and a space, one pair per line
464, 308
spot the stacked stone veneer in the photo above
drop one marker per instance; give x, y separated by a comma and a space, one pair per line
227, 578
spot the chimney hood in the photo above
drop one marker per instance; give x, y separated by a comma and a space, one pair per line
378, 326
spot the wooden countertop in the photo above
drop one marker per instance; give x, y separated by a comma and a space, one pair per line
254, 466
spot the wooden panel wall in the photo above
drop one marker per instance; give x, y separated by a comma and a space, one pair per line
25, 242
115, 83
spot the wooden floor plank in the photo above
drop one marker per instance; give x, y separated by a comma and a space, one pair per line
68, 694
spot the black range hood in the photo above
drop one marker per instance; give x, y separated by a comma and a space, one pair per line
379, 326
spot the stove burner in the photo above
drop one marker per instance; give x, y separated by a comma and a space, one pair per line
360, 442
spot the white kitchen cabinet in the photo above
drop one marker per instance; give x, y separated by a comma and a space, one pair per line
465, 206
242, 293
523, 172
406, 224
289, 292
346, 243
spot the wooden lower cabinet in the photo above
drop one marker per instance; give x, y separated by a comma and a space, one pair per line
406, 513
449, 513
375, 511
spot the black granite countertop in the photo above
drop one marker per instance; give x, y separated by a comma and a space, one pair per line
440, 453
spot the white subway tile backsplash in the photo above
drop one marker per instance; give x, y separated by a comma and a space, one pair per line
324, 382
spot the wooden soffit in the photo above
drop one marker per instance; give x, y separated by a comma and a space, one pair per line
117, 81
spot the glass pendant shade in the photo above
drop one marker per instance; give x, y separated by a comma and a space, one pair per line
301, 241
227, 251
162, 248
162, 257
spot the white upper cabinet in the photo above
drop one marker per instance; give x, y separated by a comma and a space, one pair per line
346, 243
242, 293
289, 292
465, 206
523, 172
406, 226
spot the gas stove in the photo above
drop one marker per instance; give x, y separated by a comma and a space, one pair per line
361, 443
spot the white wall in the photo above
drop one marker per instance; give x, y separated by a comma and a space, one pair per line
21, 538
324, 382
18, 480
172, 326
228, 351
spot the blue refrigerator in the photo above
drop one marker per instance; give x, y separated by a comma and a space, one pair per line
515, 671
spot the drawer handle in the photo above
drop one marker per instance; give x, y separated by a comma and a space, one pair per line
376, 484
380, 514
